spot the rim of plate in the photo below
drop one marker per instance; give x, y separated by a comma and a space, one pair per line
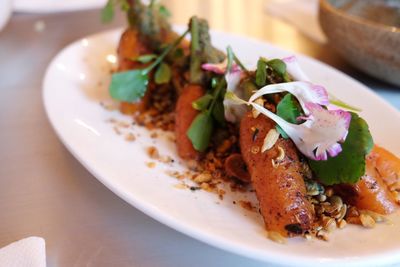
387, 257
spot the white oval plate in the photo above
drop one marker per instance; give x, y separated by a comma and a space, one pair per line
76, 81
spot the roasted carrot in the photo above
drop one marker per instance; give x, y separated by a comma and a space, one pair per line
370, 192
129, 48
276, 177
184, 116
386, 163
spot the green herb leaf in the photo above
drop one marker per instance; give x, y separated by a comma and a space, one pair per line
261, 73
278, 66
164, 11
337, 102
349, 165
145, 58
218, 112
200, 131
107, 13
129, 86
163, 74
203, 102
230, 57
288, 109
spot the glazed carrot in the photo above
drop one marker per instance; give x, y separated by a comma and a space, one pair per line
130, 47
276, 178
387, 165
184, 116
370, 193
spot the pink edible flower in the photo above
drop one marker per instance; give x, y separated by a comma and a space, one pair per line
294, 69
320, 135
219, 68
303, 91
233, 112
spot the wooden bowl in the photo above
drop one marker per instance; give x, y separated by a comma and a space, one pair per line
366, 33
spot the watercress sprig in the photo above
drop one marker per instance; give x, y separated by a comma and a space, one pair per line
202, 126
131, 85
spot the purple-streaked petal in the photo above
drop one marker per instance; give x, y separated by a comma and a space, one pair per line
303, 91
220, 68
334, 150
233, 112
294, 69
216, 68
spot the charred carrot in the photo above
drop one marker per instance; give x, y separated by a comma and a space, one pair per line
276, 177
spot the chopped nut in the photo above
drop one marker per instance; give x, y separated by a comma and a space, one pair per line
367, 221
377, 217
246, 205
151, 165
153, 152
130, 137
206, 187
276, 237
203, 178
180, 186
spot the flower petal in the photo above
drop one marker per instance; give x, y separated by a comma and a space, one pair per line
219, 68
233, 112
303, 91
294, 69
319, 135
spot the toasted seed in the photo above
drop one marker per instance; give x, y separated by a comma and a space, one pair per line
276, 237
281, 155
341, 213
329, 192
270, 140
322, 234
203, 178
336, 202
322, 198
367, 221
329, 224
341, 224
260, 101
377, 217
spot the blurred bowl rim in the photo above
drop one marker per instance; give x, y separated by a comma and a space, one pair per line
328, 6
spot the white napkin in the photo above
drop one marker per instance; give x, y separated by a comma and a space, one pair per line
27, 252
302, 14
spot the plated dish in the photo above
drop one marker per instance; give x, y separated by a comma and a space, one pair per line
87, 133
